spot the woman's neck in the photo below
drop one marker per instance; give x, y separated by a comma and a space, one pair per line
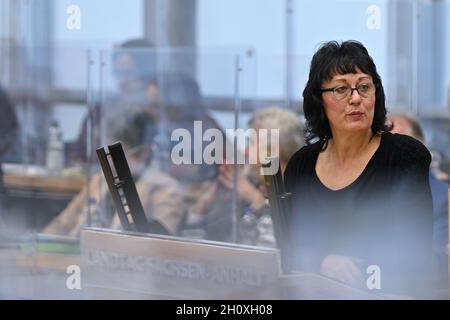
343, 147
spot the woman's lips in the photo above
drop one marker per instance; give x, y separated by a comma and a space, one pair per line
356, 115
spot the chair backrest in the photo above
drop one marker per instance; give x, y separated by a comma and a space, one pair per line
280, 207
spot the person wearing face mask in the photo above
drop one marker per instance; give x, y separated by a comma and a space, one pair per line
361, 201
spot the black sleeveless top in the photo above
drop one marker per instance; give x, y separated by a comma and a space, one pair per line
384, 217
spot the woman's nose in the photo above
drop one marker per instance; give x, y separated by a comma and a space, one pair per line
354, 95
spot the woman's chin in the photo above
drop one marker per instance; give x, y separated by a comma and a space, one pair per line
357, 127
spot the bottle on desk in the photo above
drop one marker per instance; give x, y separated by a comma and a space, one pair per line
55, 150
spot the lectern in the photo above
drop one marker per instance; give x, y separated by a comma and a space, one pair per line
134, 265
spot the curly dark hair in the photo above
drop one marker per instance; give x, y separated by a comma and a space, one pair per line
333, 58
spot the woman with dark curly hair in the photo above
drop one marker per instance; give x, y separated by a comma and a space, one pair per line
362, 210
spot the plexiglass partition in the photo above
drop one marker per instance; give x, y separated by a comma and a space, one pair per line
175, 112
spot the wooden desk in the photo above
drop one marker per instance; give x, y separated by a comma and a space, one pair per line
33, 200
50, 184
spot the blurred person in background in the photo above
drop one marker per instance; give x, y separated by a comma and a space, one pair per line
179, 105
159, 193
134, 69
407, 124
176, 104
212, 212
8, 130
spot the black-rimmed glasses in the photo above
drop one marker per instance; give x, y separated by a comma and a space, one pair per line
341, 92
